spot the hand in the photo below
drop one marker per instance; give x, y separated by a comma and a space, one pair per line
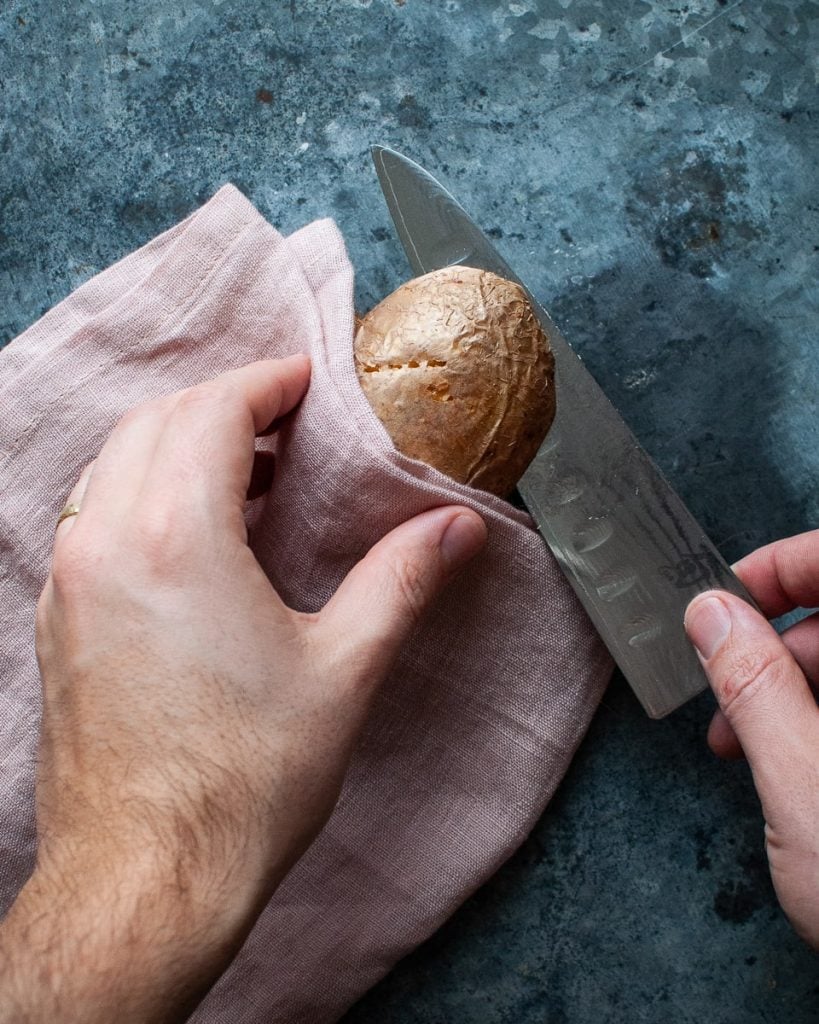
766, 686
195, 730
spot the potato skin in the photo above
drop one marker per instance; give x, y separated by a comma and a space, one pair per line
457, 367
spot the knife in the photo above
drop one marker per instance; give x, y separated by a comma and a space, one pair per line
628, 545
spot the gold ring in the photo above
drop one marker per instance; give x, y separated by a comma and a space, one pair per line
69, 511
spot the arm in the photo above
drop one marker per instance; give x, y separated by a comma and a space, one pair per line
764, 684
195, 730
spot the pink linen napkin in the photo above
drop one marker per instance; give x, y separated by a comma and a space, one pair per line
476, 724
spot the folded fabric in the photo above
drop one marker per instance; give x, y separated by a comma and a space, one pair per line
480, 716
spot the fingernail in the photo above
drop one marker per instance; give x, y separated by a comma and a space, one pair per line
463, 538
708, 625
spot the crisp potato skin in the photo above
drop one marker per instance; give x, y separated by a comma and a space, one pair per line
457, 367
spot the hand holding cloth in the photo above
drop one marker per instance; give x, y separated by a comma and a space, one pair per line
480, 715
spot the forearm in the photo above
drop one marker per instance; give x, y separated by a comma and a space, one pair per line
131, 939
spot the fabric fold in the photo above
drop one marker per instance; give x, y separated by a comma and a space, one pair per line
479, 718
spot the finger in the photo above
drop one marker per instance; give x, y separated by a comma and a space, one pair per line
385, 596
205, 454
723, 740
276, 425
802, 640
122, 465
271, 388
783, 575
127, 455
761, 691
75, 498
261, 476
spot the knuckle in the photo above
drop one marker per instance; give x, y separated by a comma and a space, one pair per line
209, 394
160, 541
749, 671
133, 416
410, 583
136, 415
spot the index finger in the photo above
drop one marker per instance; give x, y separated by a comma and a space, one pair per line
206, 450
783, 575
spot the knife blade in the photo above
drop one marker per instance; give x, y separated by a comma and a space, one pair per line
625, 540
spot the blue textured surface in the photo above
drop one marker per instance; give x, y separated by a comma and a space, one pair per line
649, 168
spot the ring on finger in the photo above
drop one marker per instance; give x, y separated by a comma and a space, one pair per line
71, 509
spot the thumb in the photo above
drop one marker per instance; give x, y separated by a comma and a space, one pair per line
385, 596
761, 691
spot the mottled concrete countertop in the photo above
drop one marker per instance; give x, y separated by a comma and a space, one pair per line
649, 167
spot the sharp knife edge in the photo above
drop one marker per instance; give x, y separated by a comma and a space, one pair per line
625, 540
